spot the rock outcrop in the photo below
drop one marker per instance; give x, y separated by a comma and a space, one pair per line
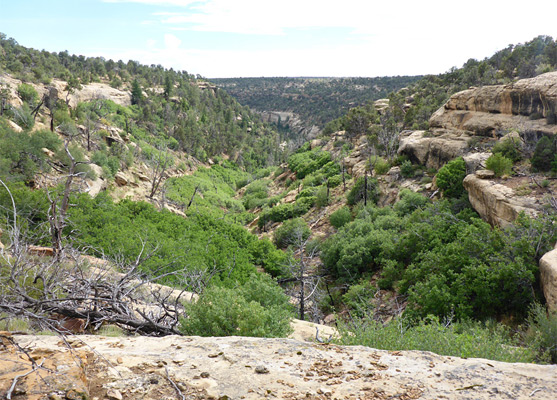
253, 368
498, 204
548, 278
88, 92
487, 112
433, 150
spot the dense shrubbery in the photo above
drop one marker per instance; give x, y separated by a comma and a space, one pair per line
544, 154
214, 190
285, 211
256, 308
21, 154
450, 176
340, 217
293, 231
445, 263
499, 164
508, 147
308, 162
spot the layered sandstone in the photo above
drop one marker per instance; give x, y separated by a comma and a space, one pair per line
488, 112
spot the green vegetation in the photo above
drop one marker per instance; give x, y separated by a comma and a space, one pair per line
450, 177
340, 217
364, 189
446, 263
459, 339
316, 100
291, 232
509, 148
186, 115
257, 308
544, 154
499, 164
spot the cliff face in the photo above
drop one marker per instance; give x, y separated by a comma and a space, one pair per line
253, 368
485, 112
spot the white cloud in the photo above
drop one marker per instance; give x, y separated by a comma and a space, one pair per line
171, 42
385, 38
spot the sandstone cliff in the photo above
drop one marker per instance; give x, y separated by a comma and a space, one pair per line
251, 368
486, 112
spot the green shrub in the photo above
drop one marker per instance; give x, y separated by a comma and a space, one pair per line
508, 147
409, 202
499, 164
406, 169
27, 94
340, 217
544, 154
293, 231
322, 197
450, 177
308, 162
541, 335
359, 190
22, 116
257, 308
358, 299
381, 166
334, 181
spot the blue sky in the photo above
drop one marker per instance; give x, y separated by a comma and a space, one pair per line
232, 38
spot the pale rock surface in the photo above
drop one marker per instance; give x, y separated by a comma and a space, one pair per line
433, 151
498, 204
15, 127
475, 161
253, 368
548, 278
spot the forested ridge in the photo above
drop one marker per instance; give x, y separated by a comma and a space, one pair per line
211, 203
316, 100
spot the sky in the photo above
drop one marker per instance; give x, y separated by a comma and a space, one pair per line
256, 38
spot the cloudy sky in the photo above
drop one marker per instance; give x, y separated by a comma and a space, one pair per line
253, 38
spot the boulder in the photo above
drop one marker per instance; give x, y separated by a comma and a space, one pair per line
497, 204
475, 161
548, 278
433, 149
485, 174
121, 179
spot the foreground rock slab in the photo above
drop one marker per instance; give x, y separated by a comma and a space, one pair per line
252, 368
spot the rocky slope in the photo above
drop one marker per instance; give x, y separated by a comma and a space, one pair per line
251, 368
88, 92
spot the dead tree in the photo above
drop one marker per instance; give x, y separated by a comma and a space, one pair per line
60, 202
299, 264
159, 163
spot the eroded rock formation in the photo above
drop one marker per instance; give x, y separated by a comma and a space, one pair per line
528, 105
